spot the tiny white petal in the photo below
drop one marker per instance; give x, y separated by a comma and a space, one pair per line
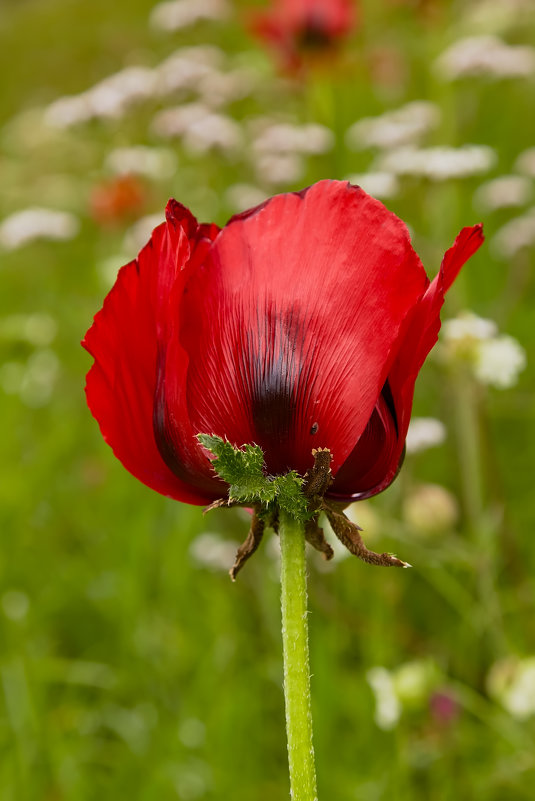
393, 129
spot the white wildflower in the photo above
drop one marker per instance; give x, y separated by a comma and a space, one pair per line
516, 235
423, 433
200, 128
184, 69
467, 327
495, 359
177, 14
213, 132
279, 168
499, 361
283, 137
403, 126
151, 162
512, 682
486, 56
108, 99
413, 681
244, 196
68, 111
525, 163
504, 192
387, 705
174, 122
382, 185
439, 163
219, 88
213, 552
36, 223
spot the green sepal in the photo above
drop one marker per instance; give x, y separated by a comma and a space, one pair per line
244, 470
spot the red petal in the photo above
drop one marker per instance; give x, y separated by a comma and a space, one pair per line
291, 323
421, 335
122, 384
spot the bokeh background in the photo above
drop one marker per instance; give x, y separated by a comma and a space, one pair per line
130, 666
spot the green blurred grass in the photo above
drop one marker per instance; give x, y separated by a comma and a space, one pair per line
134, 672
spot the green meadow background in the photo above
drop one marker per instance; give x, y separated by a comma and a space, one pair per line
130, 666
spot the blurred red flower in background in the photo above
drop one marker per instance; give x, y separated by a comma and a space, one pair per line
302, 324
118, 200
301, 28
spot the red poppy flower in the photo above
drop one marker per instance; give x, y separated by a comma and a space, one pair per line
297, 27
117, 200
302, 324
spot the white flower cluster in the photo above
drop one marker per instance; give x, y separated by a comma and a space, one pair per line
504, 192
199, 128
284, 137
424, 433
108, 99
525, 163
439, 163
35, 223
151, 162
516, 235
512, 682
486, 56
403, 126
177, 14
278, 148
199, 70
496, 360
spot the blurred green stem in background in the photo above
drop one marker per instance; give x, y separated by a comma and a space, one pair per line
296, 660
479, 523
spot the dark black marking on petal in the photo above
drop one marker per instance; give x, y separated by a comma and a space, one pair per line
386, 392
161, 426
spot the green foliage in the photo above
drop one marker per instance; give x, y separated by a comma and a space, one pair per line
289, 495
244, 470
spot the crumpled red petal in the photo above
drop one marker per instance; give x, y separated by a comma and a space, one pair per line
420, 336
124, 341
